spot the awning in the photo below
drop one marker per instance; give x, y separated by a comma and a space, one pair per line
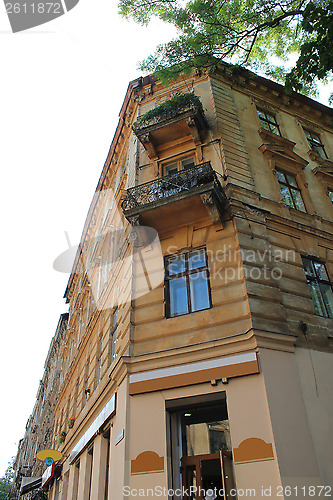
30, 484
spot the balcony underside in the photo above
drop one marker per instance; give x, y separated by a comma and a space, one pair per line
177, 200
189, 124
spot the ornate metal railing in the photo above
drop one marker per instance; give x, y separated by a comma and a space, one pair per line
170, 185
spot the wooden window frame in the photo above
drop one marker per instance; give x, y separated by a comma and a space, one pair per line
188, 272
177, 161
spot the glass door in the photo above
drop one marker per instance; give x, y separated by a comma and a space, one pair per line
207, 477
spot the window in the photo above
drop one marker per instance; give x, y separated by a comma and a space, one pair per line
113, 336
175, 167
98, 360
290, 191
330, 194
187, 283
321, 288
268, 122
315, 143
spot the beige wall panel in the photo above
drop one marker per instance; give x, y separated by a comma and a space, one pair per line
291, 431
250, 418
315, 371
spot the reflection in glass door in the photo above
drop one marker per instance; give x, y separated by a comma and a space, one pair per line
207, 477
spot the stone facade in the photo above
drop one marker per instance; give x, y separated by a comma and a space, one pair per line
199, 344
39, 428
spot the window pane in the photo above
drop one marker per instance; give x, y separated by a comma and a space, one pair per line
176, 264
171, 169
317, 298
199, 291
270, 118
319, 150
265, 125
298, 201
188, 163
280, 176
307, 134
327, 294
308, 267
286, 195
274, 129
292, 180
178, 297
196, 259
320, 270
330, 194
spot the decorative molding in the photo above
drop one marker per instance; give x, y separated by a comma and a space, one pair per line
193, 373
147, 462
279, 150
324, 170
253, 450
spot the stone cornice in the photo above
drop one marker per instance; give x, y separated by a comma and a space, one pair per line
259, 86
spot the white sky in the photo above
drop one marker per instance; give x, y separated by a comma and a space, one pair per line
62, 87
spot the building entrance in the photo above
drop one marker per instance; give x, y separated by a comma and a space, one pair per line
204, 451
207, 477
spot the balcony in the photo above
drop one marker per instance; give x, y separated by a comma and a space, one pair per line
181, 198
179, 117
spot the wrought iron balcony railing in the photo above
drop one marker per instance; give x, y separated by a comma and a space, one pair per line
173, 185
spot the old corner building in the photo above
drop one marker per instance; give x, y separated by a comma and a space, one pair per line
198, 350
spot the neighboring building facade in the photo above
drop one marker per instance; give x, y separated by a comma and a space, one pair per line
199, 344
39, 429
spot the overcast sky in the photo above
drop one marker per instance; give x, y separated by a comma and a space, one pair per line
62, 87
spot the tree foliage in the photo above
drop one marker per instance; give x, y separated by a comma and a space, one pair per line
258, 34
6, 481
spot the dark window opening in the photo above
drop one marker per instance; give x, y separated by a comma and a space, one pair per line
321, 287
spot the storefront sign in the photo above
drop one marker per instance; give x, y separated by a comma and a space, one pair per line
48, 475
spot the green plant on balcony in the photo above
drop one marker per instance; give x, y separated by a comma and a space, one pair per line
169, 109
62, 437
39, 495
71, 422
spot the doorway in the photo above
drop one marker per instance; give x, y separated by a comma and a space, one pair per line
201, 444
